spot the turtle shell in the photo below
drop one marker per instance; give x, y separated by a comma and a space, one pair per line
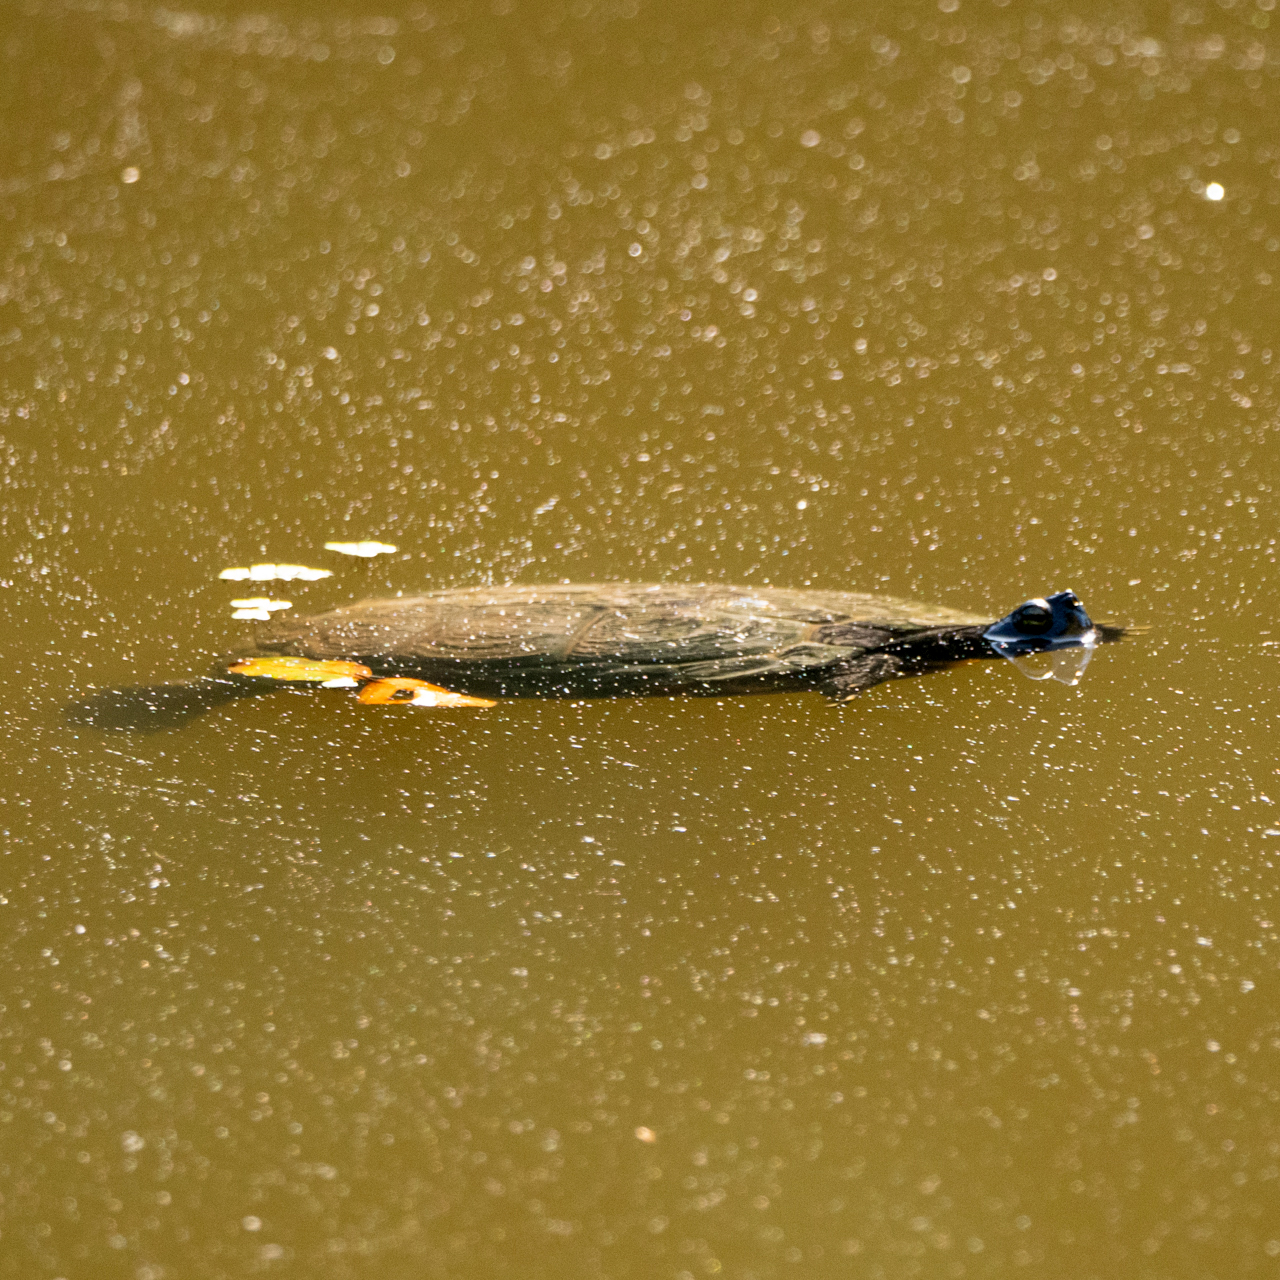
607, 638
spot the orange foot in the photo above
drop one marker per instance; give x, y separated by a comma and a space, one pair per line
418, 693
332, 675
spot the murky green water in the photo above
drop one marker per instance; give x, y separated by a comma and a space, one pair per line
975, 978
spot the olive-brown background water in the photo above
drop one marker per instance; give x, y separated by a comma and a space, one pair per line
976, 977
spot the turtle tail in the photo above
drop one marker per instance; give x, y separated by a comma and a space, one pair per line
151, 708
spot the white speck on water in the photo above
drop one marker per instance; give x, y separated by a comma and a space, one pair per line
251, 1223
1214, 191
257, 608
810, 138
366, 550
275, 573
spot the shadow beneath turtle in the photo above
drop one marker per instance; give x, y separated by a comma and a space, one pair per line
154, 708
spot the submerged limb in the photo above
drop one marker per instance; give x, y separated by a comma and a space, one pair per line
932, 650
150, 708
864, 673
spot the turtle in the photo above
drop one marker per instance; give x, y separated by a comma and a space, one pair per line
473, 647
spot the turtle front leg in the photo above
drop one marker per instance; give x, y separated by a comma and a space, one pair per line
864, 673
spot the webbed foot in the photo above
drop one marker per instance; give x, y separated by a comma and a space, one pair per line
417, 693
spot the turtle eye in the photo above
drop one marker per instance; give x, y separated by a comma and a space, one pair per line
403, 695
1033, 618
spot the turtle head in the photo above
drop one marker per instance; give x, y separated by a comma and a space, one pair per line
1043, 625
1056, 625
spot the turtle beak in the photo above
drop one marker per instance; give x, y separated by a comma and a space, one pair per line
1059, 647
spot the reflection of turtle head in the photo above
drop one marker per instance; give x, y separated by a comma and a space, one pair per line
1043, 625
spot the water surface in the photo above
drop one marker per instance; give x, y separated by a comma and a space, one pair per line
973, 976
